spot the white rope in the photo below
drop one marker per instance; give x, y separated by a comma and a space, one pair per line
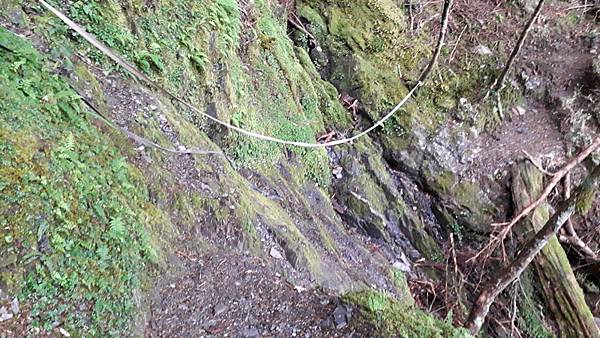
108, 52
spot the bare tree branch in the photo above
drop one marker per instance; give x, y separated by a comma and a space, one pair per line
514, 270
440, 43
498, 84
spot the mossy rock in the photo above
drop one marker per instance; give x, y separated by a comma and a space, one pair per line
393, 318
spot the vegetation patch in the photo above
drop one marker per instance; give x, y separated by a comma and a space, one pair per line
72, 210
393, 318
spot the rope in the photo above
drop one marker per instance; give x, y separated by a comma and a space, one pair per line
141, 140
131, 69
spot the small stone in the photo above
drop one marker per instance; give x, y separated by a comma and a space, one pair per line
339, 317
183, 307
4, 314
519, 110
299, 289
250, 332
327, 323
482, 50
402, 266
64, 332
275, 253
209, 324
337, 172
219, 308
153, 107
14, 306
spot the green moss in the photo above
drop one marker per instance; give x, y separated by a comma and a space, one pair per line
394, 318
285, 86
75, 207
445, 182
584, 204
401, 286
531, 315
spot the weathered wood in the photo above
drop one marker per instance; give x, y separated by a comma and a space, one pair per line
560, 289
532, 247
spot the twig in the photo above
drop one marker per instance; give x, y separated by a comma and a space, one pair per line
456, 43
296, 22
567, 186
572, 237
440, 43
587, 7
513, 317
507, 226
566, 209
498, 84
537, 165
411, 17
580, 244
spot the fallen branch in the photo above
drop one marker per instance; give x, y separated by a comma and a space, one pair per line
538, 165
577, 242
507, 226
566, 209
440, 43
571, 237
498, 84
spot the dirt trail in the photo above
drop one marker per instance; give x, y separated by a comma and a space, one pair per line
533, 130
227, 295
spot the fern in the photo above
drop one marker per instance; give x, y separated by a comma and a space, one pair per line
69, 144
117, 229
67, 147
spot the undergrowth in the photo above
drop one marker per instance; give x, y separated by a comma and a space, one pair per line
72, 210
193, 50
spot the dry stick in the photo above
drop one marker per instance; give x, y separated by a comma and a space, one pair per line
572, 237
513, 317
440, 42
567, 185
537, 165
456, 43
481, 307
493, 243
499, 82
411, 17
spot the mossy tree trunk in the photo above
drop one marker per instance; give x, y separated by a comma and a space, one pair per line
577, 313
560, 289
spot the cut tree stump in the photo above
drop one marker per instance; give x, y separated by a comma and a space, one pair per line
561, 291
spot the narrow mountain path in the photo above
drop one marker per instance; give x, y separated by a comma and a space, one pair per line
231, 295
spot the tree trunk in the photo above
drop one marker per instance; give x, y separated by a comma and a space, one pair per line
560, 289
501, 280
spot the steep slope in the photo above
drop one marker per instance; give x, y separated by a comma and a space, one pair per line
232, 60
105, 234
